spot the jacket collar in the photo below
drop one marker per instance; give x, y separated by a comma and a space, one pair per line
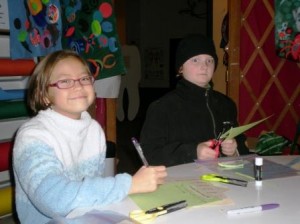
192, 89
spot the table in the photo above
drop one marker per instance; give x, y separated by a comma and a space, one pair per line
285, 191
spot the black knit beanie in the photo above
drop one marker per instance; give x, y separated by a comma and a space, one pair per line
193, 45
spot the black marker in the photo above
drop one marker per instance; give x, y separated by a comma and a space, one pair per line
172, 207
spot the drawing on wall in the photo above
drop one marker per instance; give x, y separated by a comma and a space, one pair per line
287, 29
89, 28
34, 28
154, 66
40, 27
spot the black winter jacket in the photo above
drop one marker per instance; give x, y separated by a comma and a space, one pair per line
176, 123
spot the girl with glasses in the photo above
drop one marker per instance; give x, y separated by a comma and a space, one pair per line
58, 155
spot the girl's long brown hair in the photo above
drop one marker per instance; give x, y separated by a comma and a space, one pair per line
38, 97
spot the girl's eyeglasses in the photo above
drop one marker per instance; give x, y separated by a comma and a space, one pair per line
69, 83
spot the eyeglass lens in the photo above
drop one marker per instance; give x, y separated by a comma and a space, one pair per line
68, 83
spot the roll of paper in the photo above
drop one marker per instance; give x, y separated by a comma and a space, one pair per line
14, 94
5, 158
6, 195
16, 67
10, 126
13, 109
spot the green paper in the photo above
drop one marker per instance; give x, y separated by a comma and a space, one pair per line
236, 164
195, 192
233, 132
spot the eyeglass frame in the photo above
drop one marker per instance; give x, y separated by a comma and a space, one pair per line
56, 84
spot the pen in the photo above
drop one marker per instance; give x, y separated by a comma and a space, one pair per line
139, 150
252, 209
168, 207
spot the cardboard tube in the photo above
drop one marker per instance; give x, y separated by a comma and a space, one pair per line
16, 67
13, 109
6, 205
5, 158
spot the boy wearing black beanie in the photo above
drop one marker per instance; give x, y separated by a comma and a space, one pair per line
192, 45
179, 126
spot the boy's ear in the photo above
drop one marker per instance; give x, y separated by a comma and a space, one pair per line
180, 69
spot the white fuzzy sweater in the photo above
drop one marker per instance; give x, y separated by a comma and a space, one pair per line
58, 163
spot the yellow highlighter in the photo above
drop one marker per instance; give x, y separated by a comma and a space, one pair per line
226, 180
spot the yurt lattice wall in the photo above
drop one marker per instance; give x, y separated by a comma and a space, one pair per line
269, 85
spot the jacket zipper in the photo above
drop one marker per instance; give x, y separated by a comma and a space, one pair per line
211, 114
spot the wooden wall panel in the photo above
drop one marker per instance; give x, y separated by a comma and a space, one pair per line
111, 122
268, 85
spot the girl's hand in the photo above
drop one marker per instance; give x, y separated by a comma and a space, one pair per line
147, 179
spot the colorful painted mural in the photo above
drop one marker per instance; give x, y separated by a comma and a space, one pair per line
287, 29
35, 27
89, 27
38, 27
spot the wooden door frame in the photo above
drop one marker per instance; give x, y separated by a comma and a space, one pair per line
111, 103
234, 12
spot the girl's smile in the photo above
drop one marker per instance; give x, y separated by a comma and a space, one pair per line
71, 90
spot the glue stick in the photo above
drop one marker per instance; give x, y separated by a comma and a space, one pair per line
258, 170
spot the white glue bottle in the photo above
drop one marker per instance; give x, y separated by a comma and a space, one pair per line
258, 171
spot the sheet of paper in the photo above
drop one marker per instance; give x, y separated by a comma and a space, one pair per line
195, 192
233, 132
271, 170
295, 163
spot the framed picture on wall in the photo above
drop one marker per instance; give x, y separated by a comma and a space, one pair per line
154, 66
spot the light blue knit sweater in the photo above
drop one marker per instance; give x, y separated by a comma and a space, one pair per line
58, 163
